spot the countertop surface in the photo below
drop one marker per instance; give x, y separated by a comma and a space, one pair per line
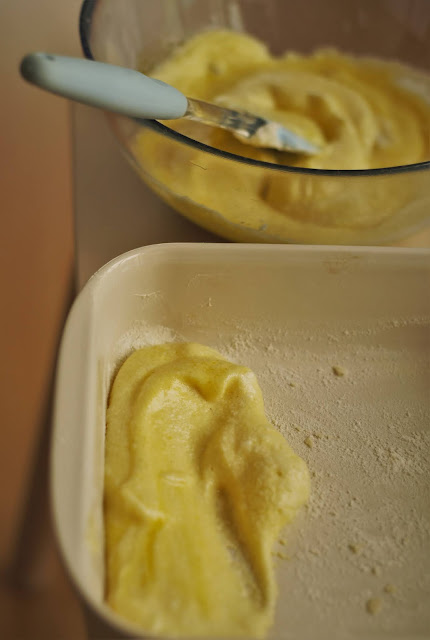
36, 600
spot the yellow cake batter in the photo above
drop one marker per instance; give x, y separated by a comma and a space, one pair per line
364, 113
198, 486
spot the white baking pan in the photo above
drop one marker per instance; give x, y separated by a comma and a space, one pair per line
340, 341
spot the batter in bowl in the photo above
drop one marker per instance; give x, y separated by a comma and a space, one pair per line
198, 486
364, 114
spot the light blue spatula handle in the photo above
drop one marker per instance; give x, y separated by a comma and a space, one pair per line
105, 86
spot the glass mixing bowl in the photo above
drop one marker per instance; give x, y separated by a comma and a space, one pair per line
378, 206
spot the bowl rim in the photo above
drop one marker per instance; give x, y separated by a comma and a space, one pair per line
86, 15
